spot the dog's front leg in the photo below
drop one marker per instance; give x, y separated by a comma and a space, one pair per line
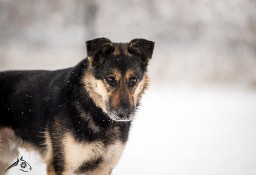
101, 171
50, 170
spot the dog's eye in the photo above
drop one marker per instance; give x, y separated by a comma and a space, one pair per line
110, 80
133, 81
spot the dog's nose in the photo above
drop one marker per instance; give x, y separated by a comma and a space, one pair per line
123, 113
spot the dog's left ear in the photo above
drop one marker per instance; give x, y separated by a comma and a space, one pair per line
141, 46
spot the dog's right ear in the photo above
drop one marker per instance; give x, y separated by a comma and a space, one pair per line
97, 49
101, 46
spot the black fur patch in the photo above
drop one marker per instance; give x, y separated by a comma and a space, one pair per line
89, 166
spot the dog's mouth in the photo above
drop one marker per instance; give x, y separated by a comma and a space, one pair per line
117, 118
121, 115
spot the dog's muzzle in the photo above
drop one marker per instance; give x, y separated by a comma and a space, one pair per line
121, 115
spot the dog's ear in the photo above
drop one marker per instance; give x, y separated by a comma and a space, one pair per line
103, 45
100, 47
141, 47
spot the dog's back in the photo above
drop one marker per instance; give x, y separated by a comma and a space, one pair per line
16, 92
8, 81
25, 100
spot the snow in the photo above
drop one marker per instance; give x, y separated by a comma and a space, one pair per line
177, 130
193, 132
187, 132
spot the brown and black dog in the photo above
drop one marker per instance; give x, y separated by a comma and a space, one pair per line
78, 119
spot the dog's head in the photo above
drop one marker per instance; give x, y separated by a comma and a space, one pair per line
116, 77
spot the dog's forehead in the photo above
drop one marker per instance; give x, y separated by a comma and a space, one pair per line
121, 60
121, 50
122, 67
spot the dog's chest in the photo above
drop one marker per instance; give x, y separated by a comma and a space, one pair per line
78, 153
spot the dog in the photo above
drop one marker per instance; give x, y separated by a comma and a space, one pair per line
77, 119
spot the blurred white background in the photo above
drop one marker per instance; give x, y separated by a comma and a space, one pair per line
199, 114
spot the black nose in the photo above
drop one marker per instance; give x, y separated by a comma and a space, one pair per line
123, 113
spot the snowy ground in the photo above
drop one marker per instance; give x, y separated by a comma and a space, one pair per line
187, 132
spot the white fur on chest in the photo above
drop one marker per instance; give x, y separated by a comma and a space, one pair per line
77, 153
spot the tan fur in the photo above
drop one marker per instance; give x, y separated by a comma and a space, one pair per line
96, 90
128, 74
49, 138
115, 100
9, 144
111, 158
50, 170
115, 94
49, 153
117, 74
140, 89
77, 153
121, 92
117, 51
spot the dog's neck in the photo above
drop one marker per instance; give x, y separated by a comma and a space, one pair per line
92, 122
88, 118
